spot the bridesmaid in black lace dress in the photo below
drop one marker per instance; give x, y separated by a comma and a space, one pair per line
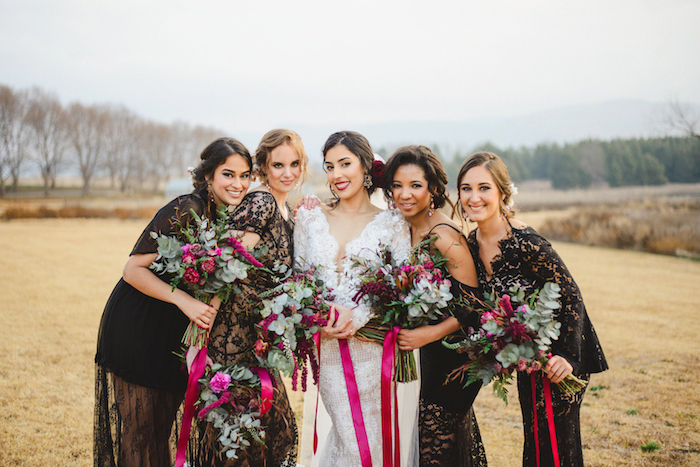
268, 223
508, 253
139, 383
415, 182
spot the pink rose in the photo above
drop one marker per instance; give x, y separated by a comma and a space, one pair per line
191, 275
189, 258
429, 264
209, 265
219, 382
186, 248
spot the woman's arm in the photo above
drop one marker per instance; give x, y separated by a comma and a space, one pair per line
410, 339
137, 274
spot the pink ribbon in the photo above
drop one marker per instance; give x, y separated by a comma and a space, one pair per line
550, 418
191, 396
317, 341
265, 389
388, 354
355, 407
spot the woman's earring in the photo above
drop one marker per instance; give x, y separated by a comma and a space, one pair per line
432, 207
368, 181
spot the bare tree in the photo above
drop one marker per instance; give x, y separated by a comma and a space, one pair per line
683, 118
121, 146
87, 126
48, 125
14, 133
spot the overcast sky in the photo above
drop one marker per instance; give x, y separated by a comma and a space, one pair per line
256, 65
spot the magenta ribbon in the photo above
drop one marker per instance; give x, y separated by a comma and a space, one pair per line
388, 355
547, 389
317, 341
191, 395
355, 407
265, 389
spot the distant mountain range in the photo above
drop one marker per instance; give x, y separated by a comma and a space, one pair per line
608, 120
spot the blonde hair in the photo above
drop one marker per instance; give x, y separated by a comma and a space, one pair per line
273, 139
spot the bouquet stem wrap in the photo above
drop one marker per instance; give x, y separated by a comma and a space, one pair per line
355, 406
388, 355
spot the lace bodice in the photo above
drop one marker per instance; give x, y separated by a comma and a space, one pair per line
315, 246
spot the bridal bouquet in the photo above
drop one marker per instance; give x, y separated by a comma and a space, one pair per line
403, 295
230, 403
292, 313
515, 334
206, 258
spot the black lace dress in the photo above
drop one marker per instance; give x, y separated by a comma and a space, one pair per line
448, 430
139, 382
527, 261
233, 335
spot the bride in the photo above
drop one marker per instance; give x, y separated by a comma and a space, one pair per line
325, 238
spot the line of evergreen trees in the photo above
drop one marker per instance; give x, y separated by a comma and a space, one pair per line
620, 162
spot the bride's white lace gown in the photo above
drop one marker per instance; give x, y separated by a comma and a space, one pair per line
315, 246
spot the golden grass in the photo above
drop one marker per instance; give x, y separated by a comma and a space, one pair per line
56, 275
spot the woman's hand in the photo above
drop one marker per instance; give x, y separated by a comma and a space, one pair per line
198, 312
558, 368
309, 202
339, 323
410, 339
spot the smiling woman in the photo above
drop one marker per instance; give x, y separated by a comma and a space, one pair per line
139, 384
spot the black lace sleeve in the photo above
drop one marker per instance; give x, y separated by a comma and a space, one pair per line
255, 212
462, 294
578, 342
166, 220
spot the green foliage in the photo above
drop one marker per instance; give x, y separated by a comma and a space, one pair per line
650, 446
632, 412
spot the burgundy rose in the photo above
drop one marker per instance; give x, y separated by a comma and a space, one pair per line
191, 275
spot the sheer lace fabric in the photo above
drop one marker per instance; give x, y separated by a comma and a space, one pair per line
314, 246
139, 383
233, 335
527, 260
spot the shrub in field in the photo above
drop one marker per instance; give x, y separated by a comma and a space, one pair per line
665, 226
650, 446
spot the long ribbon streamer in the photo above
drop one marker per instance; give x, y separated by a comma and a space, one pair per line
265, 389
550, 420
388, 356
317, 341
355, 407
191, 396
547, 389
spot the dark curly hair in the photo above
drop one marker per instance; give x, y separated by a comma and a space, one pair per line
432, 168
216, 154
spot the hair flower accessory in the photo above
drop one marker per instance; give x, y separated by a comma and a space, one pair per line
513, 189
378, 171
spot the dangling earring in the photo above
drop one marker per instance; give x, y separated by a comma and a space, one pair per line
211, 195
368, 181
432, 207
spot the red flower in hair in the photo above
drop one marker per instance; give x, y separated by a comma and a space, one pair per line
378, 172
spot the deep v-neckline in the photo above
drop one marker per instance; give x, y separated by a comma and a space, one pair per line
336, 245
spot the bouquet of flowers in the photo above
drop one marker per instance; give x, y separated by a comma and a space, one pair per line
230, 403
405, 295
207, 258
292, 313
516, 333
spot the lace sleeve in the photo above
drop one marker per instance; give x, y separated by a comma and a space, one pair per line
545, 265
255, 212
399, 238
301, 237
166, 221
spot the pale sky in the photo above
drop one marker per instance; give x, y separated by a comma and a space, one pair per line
256, 65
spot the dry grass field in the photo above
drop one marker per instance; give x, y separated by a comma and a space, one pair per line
56, 274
